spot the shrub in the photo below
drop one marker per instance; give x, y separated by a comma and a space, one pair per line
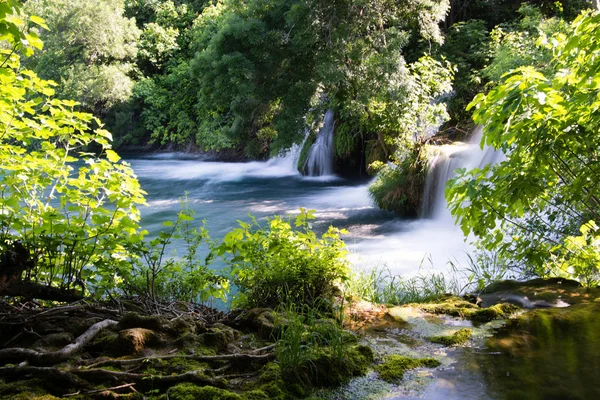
275, 264
399, 186
66, 198
187, 278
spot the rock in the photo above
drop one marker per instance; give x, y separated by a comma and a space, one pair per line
459, 337
219, 336
135, 320
134, 340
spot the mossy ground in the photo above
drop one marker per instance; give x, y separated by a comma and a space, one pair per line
394, 367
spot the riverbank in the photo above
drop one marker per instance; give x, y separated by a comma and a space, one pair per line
444, 349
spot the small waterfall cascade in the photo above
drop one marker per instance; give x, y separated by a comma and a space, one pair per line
320, 157
287, 160
449, 159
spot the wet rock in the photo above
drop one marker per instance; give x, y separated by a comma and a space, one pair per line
457, 338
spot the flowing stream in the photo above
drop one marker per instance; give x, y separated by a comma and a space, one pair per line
223, 193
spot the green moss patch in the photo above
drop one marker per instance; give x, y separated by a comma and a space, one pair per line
458, 307
457, 338
395, 366
189, 391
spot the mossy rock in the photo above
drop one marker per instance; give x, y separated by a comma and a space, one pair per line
55, 341
546, 354
457, 338
219, 336
395, 366
327, 369
458, 307
188, 391
135, 320
182, 326
266, 322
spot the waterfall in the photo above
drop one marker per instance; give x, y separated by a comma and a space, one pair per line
320, 157
441, 170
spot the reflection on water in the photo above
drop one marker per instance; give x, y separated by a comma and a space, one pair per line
549, 354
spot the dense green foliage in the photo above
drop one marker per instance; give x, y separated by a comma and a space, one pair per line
65, 195
275, 264
89, 49
538, 208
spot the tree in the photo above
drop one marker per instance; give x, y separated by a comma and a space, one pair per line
539, 208
67, 204
89, 49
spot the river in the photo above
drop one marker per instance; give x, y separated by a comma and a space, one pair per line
222, 193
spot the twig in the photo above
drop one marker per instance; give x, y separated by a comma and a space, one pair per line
100, 390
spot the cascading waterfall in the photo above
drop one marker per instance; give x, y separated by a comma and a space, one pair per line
450, 158
320, 157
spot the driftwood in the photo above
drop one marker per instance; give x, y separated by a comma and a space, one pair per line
51, 358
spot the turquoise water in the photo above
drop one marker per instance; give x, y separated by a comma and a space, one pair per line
223, 193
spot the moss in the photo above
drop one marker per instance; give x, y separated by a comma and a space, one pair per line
188, 391
498, 311
219, 336
457, 307
135, 320
327, 368
459, 337
395, 366
33, 396
256, 394
177, 366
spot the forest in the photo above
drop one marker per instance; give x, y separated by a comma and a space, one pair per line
198, 198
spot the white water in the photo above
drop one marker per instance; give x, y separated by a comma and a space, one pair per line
320, 157
223, 193
443, 167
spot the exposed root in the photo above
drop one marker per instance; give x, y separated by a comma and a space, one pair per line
51, 358
264, 358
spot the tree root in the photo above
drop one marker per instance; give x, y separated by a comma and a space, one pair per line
223, 357
80, 377
51, 358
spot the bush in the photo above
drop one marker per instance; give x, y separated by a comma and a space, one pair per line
177, 279
275, 264
399, 186
66, 198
